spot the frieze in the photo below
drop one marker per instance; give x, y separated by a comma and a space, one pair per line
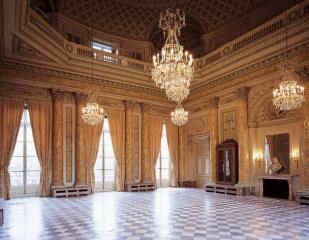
24, 92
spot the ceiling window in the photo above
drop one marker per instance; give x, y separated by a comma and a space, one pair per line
102, 47
24, 168
104, 168
163, 162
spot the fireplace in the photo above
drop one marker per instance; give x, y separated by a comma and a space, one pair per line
276, 188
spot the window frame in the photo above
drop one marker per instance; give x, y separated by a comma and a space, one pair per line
25, 189
104, 185
160, 181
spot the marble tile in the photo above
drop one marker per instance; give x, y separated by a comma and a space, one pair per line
163, 214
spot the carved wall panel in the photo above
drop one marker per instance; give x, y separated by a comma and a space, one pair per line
228, 125
198, 164
137, 137
69, 120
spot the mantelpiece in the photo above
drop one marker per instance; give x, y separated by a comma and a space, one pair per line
292, 181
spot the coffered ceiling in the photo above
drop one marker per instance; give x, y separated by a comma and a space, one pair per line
138, 19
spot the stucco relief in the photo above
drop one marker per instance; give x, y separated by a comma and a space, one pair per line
198, 125
268, 112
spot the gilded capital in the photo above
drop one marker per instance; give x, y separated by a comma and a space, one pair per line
146, 107
213, 102
57, 94
242, 93
132, 106
80, 97
304, 74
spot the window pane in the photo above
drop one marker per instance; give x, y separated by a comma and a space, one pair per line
109, 163
163, 141
100, 151
29, 134
33, 178
164, 152
165, 163
164, 173
107, 138
109, 175
16, 164
109, 151
16, 178
106, 125
31, 149
27, 115
98, 176
33, 164
158, 173
99, 163
19, 149
158, 162
20, 136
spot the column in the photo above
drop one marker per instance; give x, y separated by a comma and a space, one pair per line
213, 136
57, 138
81, 174
243, 135
145, 165
304, 158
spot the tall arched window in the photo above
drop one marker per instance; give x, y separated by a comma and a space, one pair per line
163, 163
24, 168
104, 168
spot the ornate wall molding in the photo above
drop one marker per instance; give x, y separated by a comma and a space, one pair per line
26, 92
242, 93
213, 102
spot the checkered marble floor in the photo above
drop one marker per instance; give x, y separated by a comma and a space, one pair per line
163, 214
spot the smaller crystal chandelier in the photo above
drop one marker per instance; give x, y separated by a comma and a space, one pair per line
179, 117
289, 95
92, 113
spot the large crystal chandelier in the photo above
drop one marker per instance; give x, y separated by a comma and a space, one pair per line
92, 113
173, 70
289, 95
179, 116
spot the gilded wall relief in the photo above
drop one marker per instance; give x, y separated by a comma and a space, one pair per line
23, 91
69, 144
24, 49
228, 124
198, 126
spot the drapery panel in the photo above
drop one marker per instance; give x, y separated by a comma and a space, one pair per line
155, 133
11, 111
116, 121
41, 123
92, 141
172, 141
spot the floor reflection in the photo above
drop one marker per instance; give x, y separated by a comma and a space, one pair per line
163, 214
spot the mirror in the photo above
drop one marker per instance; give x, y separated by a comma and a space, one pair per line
277, 154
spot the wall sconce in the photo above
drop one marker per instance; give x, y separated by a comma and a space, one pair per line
295, 157
258, 158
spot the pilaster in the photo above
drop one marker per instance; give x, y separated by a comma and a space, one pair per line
243, 135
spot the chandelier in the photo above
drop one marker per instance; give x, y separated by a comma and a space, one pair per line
289, 95
179, 116
173, 70
92, 113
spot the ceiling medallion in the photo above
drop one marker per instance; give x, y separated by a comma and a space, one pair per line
179, 117
92, 113
173, 68
289, 95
